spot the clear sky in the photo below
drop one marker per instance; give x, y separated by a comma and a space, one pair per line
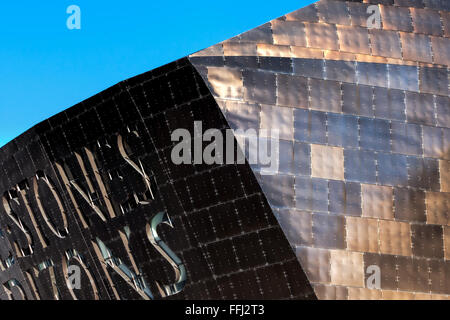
46, 68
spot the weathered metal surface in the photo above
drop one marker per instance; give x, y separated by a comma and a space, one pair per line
365, 116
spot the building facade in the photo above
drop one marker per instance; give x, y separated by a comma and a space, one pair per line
357, 206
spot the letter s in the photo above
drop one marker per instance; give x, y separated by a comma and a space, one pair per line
168, 254
74, 20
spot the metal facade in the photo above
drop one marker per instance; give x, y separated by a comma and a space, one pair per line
364, 118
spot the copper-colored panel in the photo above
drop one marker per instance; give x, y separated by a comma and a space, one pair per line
340, 70
243, 115
400, 62
443, 110
423, 296
316, 263
438, 208
327, 292
409, 204
385, 43
420, 108
357, 99
323, 36
347, 268
325, 95
226, 83
362, 234
239, 49
446, 136
300, 52
389, 104
406, 138
329, 231
281, 118
447, 242
289, 33
395, 238
327, 162
412, 274
286, 157
311, 194
409, 3
292, 91
297, 225
440, 297
426, 21
245, 61
427, 241
360, 165
344, 198
308, 13
353, 39
369, 58
433, 142
392, 169
377, 201
302, 159
215, 50
374, 134
343, 132
269, 50
416, 47
440, 282
313, 68
423, 173
275, 64
444, 169
403, 77
363, 294
372, 74
396, 18
434, 80
259, 86
437, 4
310, 126
445, 16
397, 295
441, 49
338, 55
335, 12
262, 34
279, 190
358, 13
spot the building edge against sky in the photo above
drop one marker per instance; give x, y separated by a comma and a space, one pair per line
363, 181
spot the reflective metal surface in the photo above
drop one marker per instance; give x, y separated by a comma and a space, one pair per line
364, 116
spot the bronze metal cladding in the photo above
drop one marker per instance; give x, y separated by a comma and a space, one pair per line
364, 119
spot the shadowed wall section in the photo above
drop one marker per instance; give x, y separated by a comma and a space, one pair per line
364, 120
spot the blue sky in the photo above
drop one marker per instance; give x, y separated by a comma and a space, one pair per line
46, 68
